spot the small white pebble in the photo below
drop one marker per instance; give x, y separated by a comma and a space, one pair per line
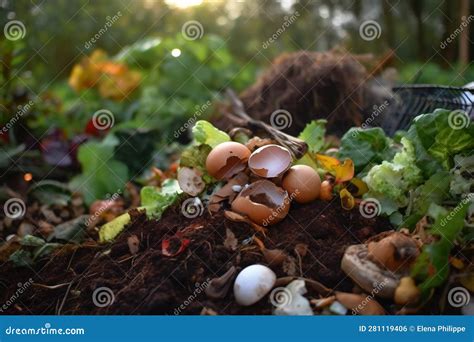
236, 188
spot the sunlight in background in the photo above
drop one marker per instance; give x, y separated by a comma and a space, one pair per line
183, 3
176, 52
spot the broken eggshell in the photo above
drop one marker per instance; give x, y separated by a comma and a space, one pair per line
227, 191
252, 284
190, 181
360, 304
227, 159
263, 202
302, 183
270, 161
289, 301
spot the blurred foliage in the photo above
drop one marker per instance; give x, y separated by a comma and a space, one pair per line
431, 73
54, 42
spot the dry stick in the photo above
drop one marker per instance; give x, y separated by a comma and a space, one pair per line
316, 285
296, 146
51, 287
65, 296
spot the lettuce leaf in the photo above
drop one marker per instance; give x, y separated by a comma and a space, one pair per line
313, 135
432, 266
195, 156
437, 140
205, 133
366, 147
154, 201
101, 173
433, 192
391, 181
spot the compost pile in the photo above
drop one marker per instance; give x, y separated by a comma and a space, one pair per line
311, 85
257, 221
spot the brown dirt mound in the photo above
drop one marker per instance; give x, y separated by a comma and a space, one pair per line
310, 85
151, 283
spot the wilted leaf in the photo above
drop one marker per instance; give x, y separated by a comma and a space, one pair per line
32, 241
327, 162
44, 250
347, 200
174, 245
71, 231
110, 230
344, 171
133, 244
21, 258
51, 192
230, 241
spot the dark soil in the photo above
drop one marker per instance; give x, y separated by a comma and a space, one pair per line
151, 283
310, 85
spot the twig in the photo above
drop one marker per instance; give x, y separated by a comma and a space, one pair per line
316, 285
51, 287
64, 298
296, 146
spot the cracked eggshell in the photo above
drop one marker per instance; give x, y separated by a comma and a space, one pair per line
227, 159
190, 181
263, 202
270, 161
253, 283
302, 183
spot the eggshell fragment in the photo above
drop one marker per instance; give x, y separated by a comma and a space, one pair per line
252, 284
359, 304
263, 202
190, 181
302, 183
270, 161
227, 159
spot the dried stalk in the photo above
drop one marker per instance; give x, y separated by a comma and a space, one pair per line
296, 146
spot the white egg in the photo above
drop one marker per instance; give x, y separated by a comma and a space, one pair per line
253, 283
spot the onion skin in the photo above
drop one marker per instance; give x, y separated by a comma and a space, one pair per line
407, 292
325, 192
